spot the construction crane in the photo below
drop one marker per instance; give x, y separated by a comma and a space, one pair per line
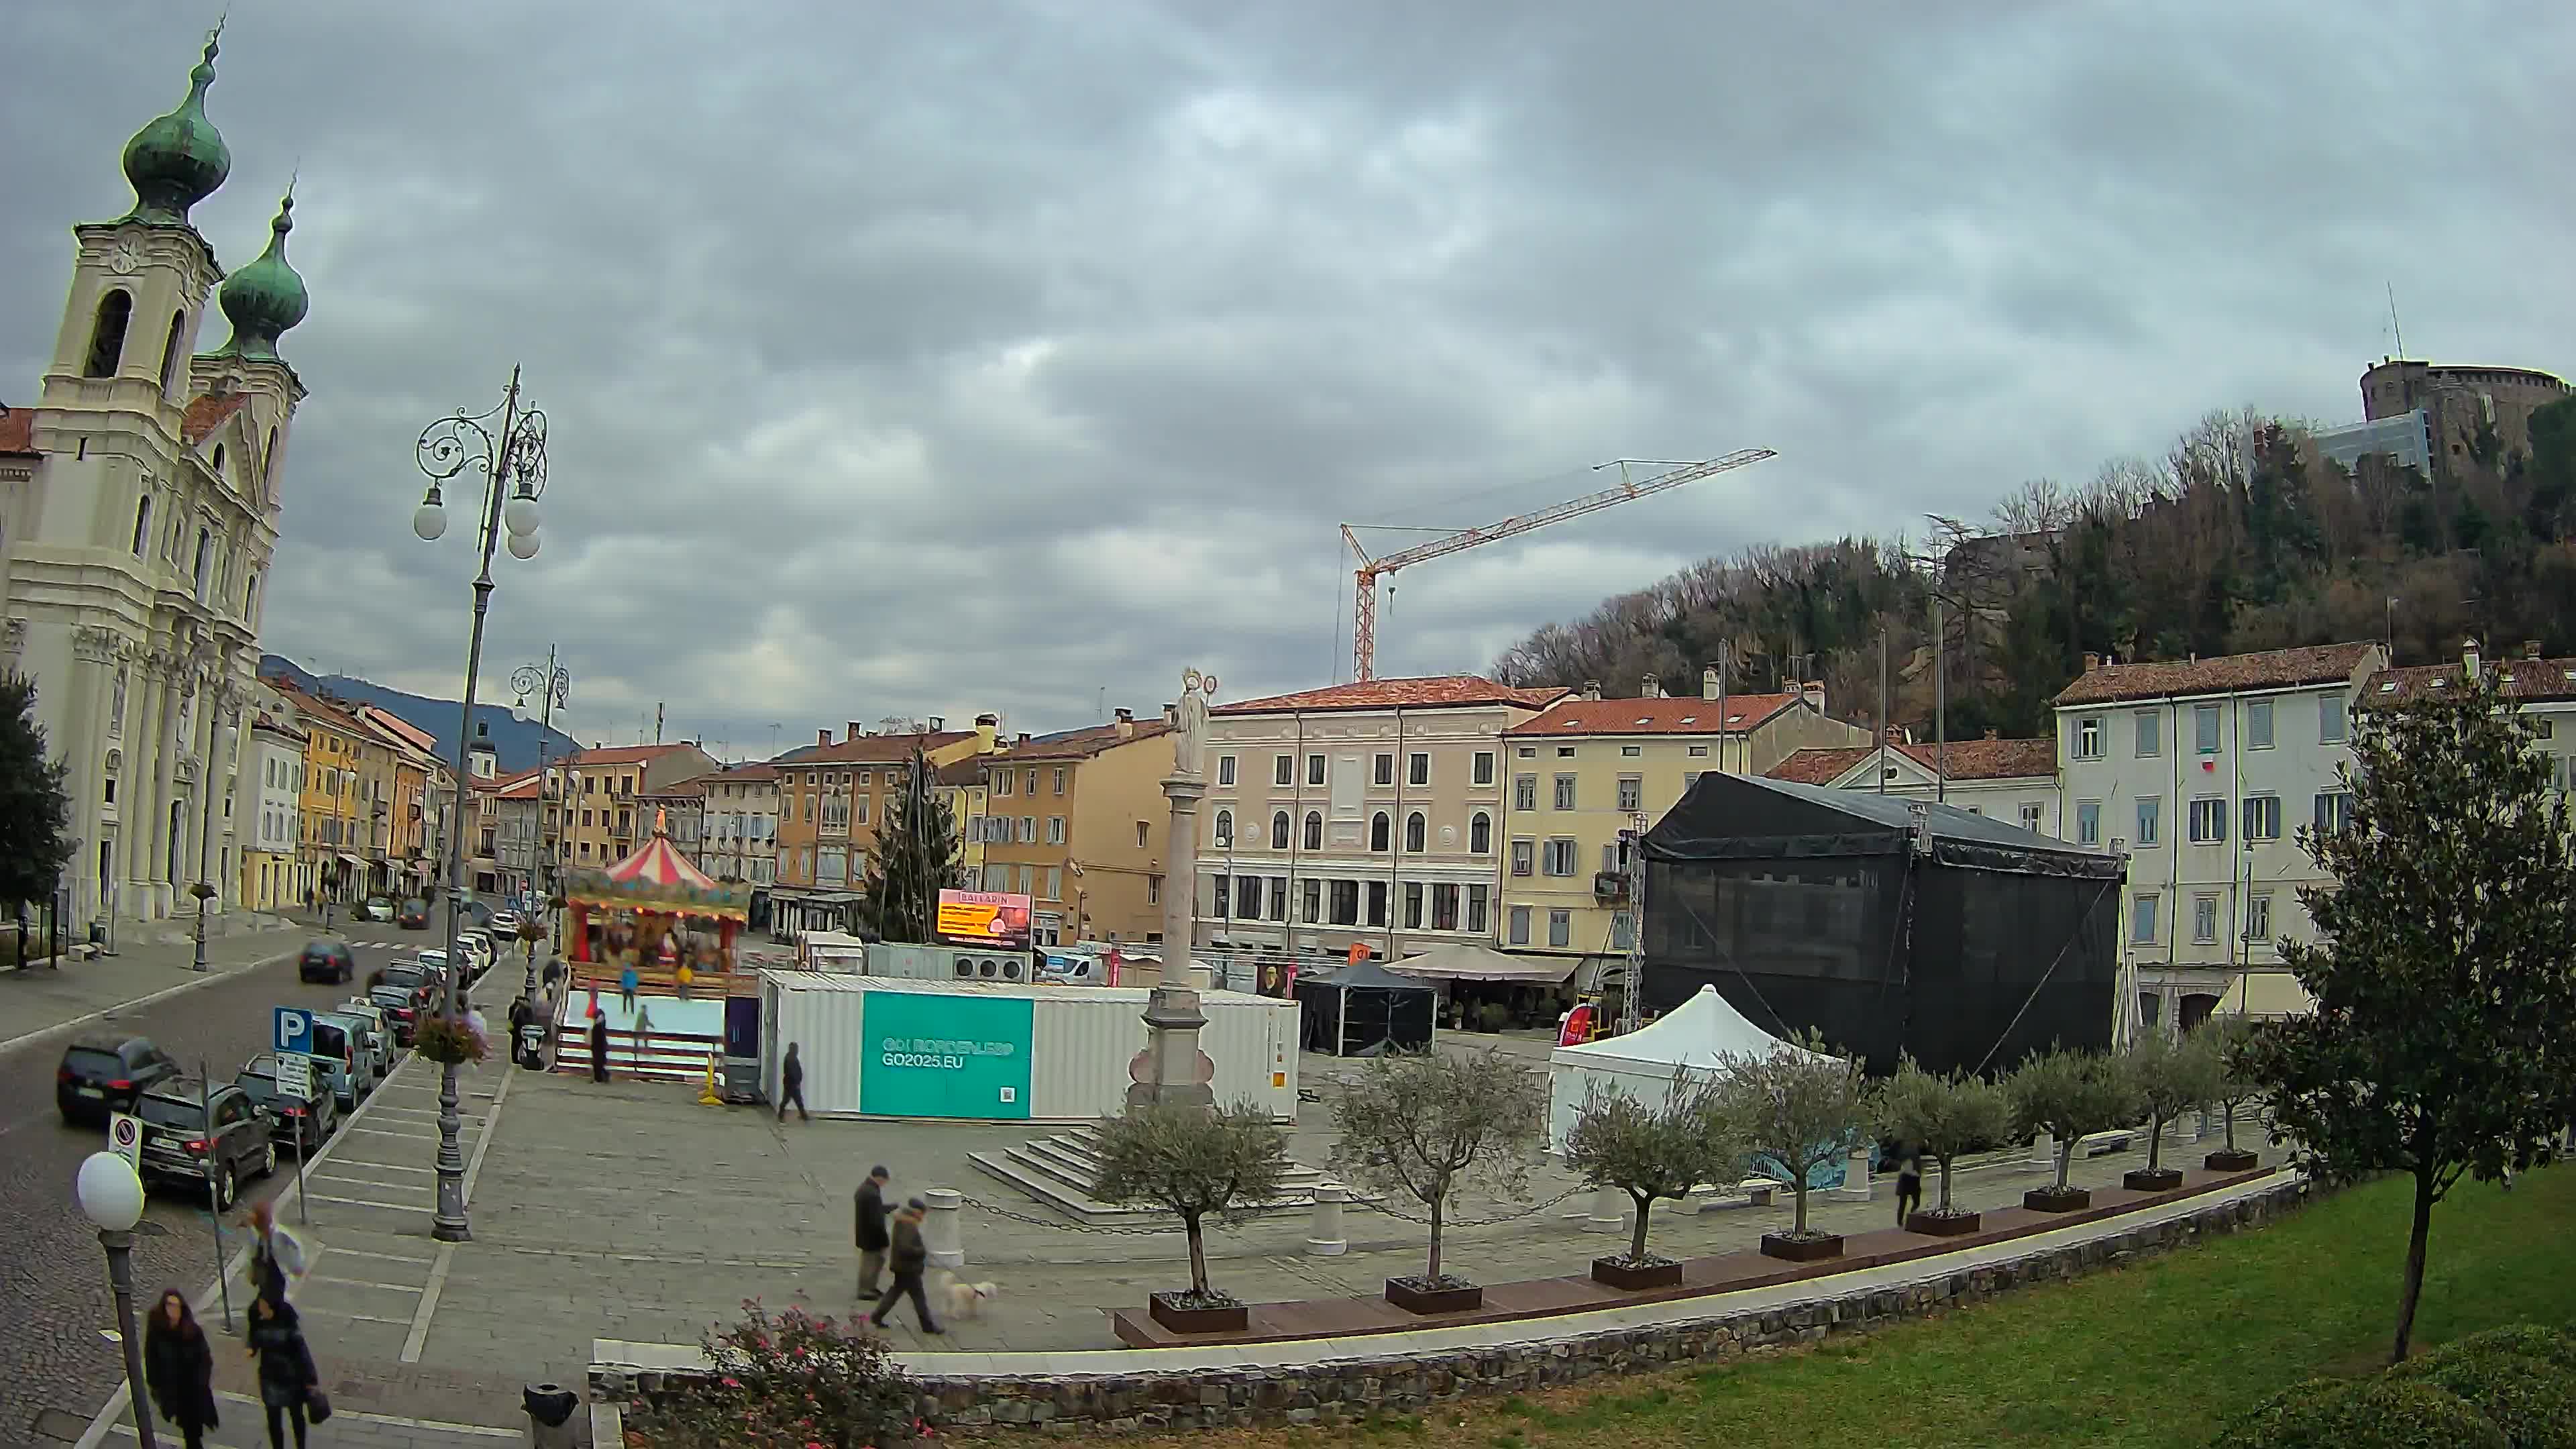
1364, 611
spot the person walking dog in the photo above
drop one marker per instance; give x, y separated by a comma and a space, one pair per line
909, 1257
289, 1387
791, 1085
871, 1205
179, 1369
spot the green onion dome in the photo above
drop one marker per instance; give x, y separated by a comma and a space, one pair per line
266, 298
178, 160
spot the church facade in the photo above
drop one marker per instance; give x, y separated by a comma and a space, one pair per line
140, 496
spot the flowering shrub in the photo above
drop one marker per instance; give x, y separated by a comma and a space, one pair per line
447, 1042
793, 1381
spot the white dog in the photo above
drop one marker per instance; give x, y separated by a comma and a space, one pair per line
966, 1300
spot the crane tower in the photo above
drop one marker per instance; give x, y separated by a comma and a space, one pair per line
1364, 609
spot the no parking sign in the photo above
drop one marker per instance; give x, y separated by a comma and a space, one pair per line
125, 1138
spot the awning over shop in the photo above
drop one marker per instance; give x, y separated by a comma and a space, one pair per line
1469, 962
353, 860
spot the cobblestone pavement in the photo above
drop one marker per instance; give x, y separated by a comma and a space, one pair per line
56, 1363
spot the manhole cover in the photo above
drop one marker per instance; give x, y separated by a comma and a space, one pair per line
59, 1426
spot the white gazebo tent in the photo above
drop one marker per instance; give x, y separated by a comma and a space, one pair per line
1696, 1036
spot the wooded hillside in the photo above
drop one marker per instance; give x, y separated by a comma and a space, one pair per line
2239, 538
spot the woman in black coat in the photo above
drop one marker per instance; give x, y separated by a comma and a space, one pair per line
179, 1368
286, 1375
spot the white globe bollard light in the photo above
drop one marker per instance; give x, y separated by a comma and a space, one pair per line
111, 1197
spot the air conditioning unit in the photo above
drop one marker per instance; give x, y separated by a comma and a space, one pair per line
948, 963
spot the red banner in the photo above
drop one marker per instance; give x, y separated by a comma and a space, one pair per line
1578, 1026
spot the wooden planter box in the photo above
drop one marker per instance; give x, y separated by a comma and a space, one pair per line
1802, 1250
1943, 1225
1232, 1318
2224, 1160
2151, 1179
2050, 1200
1635, 1277
1410, 1297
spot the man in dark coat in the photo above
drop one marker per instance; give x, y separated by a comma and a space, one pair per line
791, 1085
872, 1232
908, 1257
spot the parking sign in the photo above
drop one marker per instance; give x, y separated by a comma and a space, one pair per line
294, 1031
294, 1074
125, 1138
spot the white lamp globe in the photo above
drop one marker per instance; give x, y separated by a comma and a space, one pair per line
111, 1196
428, 522
520, 514
523, 545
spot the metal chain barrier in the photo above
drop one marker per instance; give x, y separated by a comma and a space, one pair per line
1140, 1231
1149, 1230
1448, 1223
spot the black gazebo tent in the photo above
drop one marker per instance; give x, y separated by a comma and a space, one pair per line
1364, 1011
1888, 924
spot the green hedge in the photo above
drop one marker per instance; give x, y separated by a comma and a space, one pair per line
2507, 1388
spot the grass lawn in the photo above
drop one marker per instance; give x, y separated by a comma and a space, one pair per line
2154, 1354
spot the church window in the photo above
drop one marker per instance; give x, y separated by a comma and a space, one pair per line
170, 352
250, 598
142, 523
107, 337
219, 462
205, 556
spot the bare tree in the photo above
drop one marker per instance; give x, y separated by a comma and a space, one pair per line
1427, 1125
1660, 1151
1193, 1164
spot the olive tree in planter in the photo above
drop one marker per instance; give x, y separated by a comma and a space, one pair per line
1425, 1126
1651, 1152
1194, 1164
2229, 1040
2169, 1078
1943, 1117
1801, 1106
2068, 1094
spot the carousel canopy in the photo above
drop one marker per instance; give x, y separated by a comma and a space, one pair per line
658, 878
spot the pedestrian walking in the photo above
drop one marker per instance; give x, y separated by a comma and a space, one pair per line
1909, 1183
908, 1257
288, 1383
598, 1045
179, 1369
871, 1204
278, 1259
626, 983
791, 1085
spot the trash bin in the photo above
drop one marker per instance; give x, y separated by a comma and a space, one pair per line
532, 1041
550, 1409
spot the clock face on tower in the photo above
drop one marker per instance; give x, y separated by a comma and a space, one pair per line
126, 257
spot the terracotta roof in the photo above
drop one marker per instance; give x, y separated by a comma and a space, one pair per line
1660, 716
275, 726
2528, 679
968, 771
329, 713
695, 785
1438, 691
621, 755
207, 412
403, 729
880, 749
1079, 744
18, 431
1968, 760
741, 775
510, 787
2271, 669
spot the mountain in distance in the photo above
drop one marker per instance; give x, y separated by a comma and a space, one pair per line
514, 740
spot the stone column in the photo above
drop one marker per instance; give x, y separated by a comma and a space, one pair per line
1325, 1236
1181, 876
1609, 1211
150, 892
941, 1232
1856, 1184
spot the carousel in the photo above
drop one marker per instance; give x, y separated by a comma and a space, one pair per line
657, 913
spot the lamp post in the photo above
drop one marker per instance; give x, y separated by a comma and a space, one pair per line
512, 459
204, 893
553, 686
111, 1197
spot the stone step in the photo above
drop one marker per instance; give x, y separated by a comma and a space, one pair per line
1043, 1171
1077, 1162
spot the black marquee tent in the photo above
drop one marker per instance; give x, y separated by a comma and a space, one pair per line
1888, 924
1364, 1010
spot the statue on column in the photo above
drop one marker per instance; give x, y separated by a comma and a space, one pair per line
1189, 736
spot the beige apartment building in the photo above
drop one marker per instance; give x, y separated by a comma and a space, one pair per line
1590, 769
1367, 814
1077, 821
603, 820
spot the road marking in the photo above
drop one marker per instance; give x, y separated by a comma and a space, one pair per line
383, 1167
344, 1313
209, 979
387, 1257
421, 1315
483, 1143
380, 1132
400, 1207
396, 1420
361, 1283
358, 1181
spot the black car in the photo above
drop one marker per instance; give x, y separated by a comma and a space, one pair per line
414, 915
402, 1005
326, 961
194, 1134
100, 1075
307, 1121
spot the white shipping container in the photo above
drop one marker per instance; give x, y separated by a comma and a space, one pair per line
1082, 1042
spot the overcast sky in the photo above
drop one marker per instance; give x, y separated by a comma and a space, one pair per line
923, 359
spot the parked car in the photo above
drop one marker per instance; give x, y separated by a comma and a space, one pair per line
337, 1057
376, 908
414, 915
304, 1122
100, 1075
437, 965
505, 925
371, 1057
402, 1006
194, 1133
374, 1015
326, 961
478, 953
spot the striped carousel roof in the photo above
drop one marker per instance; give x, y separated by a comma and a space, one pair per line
659, 879
657, 864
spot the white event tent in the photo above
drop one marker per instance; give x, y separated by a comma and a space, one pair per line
1696, 1036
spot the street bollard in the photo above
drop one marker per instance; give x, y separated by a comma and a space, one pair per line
1609, 1211
1325, 1236
1857, 1186
549, 1408
2043, 1153
940, 1228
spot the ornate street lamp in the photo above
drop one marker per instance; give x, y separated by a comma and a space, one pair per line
511, 454
111, 1197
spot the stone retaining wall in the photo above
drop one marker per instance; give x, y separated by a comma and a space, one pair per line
1407, 1383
